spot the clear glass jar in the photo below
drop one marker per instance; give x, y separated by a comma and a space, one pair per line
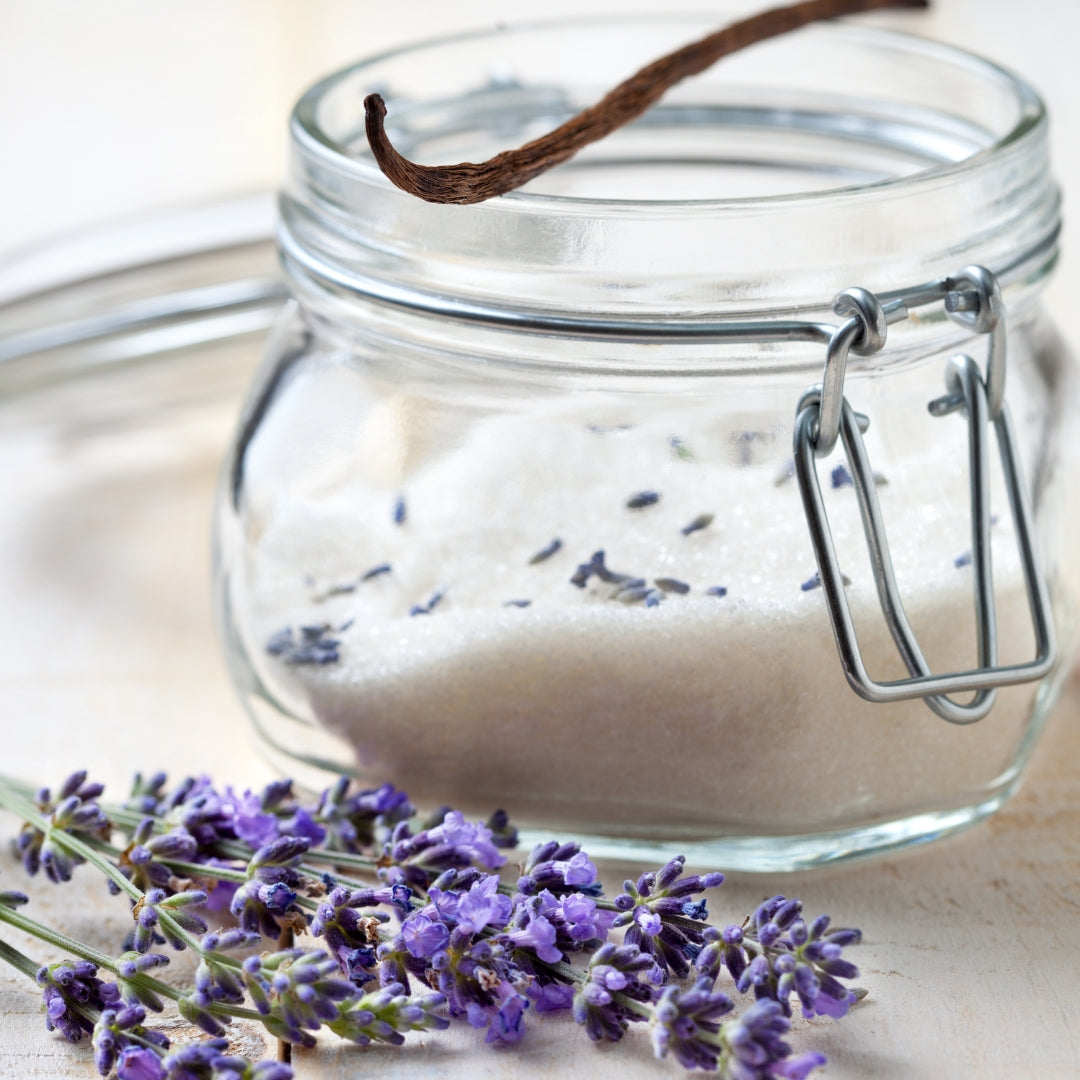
456, 392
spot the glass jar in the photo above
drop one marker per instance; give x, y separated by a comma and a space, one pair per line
464, 405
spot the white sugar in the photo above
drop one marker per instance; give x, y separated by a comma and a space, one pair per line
701, 715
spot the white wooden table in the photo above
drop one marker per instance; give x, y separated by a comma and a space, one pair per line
108, 661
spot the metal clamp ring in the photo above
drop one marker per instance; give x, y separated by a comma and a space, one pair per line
973, 300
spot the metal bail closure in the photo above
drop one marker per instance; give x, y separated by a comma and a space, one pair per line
982, 406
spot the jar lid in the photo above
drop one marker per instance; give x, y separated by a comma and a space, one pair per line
136, 288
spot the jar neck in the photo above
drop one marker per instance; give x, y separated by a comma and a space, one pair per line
943, 164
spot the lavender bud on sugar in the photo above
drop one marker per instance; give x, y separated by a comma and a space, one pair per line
429, 605
815, 582
517, 603
716, 590
962, 560
702, 521
376, 571
313, 645
840, 477
400, 511
672, 585
682, 451
546, 552
641, 499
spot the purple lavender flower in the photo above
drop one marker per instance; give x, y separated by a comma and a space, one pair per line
559, 868
146, 793
11, 898
157, 903
74, 811
386, 1015
550, 926
753, 1047
602, 1004
72, 994
258, 819
297, 991
503, 833
140, 862
355, 820
139, 1063
662, 917
686, 1022
453, 843
269, 897
790, 957
117, 1029
132, 989
216, 979
351, 930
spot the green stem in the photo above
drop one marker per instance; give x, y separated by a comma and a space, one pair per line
54, 937
84, 952
19, 961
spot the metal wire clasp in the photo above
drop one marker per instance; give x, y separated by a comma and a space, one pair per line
972, 299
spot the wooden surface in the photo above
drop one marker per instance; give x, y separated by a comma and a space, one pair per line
108, 660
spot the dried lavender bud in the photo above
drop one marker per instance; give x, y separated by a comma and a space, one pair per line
716, 590
312, 646
744, 454
753, 1047
139, 861
639, 500
71, 992
559, 868
146, 794
376, 571
74, 811
815, 582
608, 429
385, 1015
454, 843
400, 511
702, 521
148, 911
682, 1016
962, 560
840, 477
546, 552
682, 451
662, 916
517, 603
614, 971
358, 819
429, 606
118, 1029
672, 585
503, 833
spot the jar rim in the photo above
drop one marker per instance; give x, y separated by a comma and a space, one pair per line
307, 129
958, 147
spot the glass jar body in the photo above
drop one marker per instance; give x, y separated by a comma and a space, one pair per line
507, 523
430, 527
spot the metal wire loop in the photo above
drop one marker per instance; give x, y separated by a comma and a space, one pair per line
973, 300
863, 333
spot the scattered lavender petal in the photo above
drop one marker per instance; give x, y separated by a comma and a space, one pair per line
607, 429
702, 521
640, 499
670, 584
400, 511
742, 441
376, 571
516, 603
428, 607
881, 480
546, 552
841, 477
716, 590
963, 559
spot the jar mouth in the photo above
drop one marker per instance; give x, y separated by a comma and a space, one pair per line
309, 127
940, 163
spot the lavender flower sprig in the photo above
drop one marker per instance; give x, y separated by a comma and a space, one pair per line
437, 916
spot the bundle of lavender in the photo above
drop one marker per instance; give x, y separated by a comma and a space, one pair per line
374, 925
